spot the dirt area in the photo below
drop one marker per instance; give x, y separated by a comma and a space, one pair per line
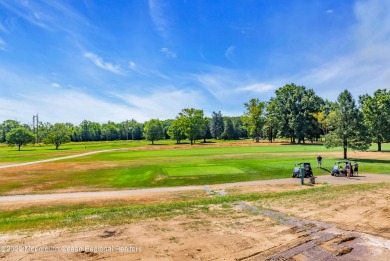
354, 228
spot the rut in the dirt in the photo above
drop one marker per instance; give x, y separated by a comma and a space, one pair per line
321, 241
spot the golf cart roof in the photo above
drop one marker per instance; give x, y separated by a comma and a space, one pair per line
300, 163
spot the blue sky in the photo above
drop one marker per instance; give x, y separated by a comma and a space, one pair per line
124, 59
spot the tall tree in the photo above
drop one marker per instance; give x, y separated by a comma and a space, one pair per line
216, 125
376, 112
191, 120
153, 130
20, 136
176, 131
254, 117
294, 107
228, 133
271, 120
346, 126
57, 135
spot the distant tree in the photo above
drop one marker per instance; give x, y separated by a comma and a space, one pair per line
57, 135
346, 127
205, 132
153, 130
191, 120
254, 117
271, 122
136, 130
228, 133
6, 127
166, 124
238, 127
19, 136
376, 114
110, 131
176, 131
216, 125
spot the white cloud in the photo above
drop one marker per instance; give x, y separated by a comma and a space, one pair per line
55, 85
98, 61
168, 53
162, 104
56, 107
157, 13
329, 11
229, 53
365, 67
257, 87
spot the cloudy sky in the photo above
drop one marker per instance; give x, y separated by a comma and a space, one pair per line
117, 60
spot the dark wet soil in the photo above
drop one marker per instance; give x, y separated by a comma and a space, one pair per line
321, 241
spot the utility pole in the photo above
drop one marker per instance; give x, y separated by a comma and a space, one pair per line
36, 125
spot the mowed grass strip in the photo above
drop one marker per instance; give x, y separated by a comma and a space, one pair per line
73, 216
202, 170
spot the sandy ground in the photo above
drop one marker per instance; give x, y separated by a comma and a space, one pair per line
355, 228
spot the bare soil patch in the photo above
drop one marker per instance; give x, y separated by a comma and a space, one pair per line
230, 232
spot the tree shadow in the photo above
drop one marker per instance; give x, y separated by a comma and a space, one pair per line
370, 160
304, 144
325, 169
60, 149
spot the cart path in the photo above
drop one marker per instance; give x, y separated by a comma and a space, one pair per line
55, 159
364, 178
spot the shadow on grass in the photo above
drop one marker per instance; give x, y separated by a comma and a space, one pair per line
21, 150
304, 144
326, 169
371, 160
60, 149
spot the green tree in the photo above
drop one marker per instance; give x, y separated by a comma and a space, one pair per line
228, 133
254, 117
176, 131
271, 120
19, 136
6, 127
153, 130
205, 132
191, 120
376, 112
57, 135
346, 128
294, 107
110, 131
216, 125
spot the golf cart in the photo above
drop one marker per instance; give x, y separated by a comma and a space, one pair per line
339, 170
307, 170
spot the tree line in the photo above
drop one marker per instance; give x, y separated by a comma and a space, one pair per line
294, 113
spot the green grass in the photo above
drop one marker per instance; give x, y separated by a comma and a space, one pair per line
168, 167
70, 216
202, 170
